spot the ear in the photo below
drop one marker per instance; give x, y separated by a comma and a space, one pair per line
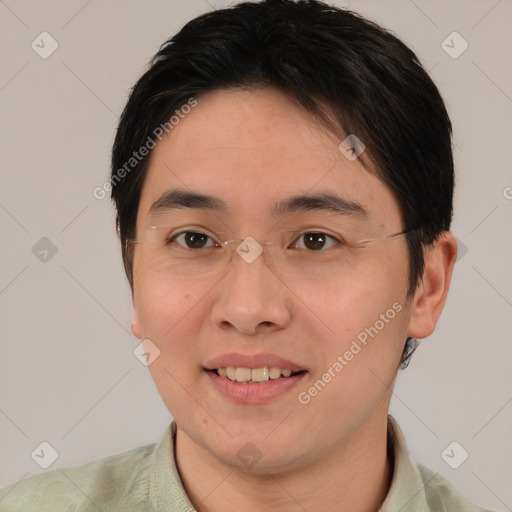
135, 324
135, 316
431, 293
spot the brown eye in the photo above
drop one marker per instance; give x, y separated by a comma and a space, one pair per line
314, 241
192, 239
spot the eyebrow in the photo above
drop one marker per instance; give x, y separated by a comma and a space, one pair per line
328, 201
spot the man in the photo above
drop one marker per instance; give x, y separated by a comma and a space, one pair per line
283, 179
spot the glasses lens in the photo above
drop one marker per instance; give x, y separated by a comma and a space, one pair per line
196, 253
191, 254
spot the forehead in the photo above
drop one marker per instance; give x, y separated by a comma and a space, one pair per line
254, 148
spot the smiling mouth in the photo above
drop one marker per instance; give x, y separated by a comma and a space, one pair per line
256, 375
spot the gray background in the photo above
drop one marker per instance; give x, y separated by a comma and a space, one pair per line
68, 375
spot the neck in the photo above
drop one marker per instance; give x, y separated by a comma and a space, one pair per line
355, 477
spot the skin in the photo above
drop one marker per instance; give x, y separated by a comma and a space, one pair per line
251, 148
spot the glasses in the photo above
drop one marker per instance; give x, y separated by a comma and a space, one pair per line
194, 254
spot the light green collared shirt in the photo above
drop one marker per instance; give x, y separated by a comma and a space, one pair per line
146, 479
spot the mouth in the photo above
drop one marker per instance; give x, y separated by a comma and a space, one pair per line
254, 378
254, 375
254, 386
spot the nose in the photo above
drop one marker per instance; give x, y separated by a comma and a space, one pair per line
252, 299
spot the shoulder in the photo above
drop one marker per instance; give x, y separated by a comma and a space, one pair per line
415, 487
98, 485
442, 496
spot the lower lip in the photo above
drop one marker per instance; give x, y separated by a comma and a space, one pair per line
257, 393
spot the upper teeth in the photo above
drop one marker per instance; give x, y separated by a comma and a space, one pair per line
255, 375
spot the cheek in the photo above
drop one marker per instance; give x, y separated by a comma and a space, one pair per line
366, 321
163, 306
171, 315
359, 366
356, 300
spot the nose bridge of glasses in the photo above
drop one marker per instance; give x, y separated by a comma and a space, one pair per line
249, 249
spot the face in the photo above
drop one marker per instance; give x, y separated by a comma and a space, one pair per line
341, 320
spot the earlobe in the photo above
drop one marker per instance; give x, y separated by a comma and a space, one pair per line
135, 324
430, 296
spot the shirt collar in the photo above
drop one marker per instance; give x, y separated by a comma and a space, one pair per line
406, 493
407, 490
166, 490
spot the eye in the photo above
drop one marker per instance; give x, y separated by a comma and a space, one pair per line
192, 239
315, 241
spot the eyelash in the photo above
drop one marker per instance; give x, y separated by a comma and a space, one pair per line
302, 234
